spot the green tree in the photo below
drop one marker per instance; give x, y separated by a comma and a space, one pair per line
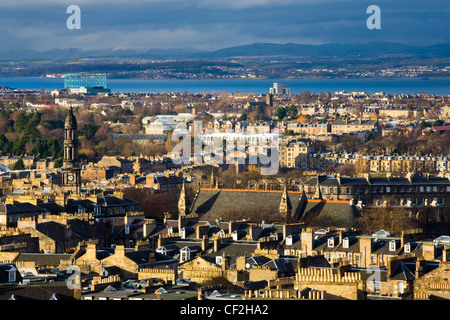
19, 146
55, 123
243, 116
288, 133
14, 105
20, 122
281, 113
438, 123
59, 162
292, 111
33, 122
89, 130
423, 125
39, 148
3, 141
19, 165
54, 148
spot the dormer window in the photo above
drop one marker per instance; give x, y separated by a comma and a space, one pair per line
289, 240
392, 245
185, 254
330, 242
407, 248
183, 233
12, 274
345, 243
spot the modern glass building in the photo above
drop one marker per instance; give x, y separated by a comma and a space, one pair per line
91, 83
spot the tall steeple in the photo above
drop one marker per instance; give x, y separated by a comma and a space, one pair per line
184, 204
71, 180
285, 205
212, 182
318, 194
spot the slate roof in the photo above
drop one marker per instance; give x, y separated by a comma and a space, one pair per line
99, 255
52, 207
342, 122
404, 271
164, 228
80, 228
37, 291
296, 242
20, 207
281, 265
171, 250
210, 204
257, 260
136, 228
362, 181
353, 245
381, 246
53, 230
43, 259
163, 180
112, 201
339, 214
232, 249
141, 257
214, 201
105, 201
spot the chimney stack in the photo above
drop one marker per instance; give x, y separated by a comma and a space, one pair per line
205, 242
147, 229
91, 251
68, 232
446, 253
240, 263
428, 251
152, 258
160, 241
217, 243
120, 250
132, 179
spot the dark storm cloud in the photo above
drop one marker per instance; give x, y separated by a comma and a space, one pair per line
213, 24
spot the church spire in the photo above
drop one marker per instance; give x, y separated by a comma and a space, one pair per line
212, 182
285, 204
183, 202
318, 192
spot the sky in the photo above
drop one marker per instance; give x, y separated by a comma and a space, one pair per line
215, 24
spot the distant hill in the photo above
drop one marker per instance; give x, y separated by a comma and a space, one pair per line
370, 49
75, 54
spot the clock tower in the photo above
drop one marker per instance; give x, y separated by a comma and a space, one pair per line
71, 180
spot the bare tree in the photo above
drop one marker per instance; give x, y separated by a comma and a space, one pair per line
389, 218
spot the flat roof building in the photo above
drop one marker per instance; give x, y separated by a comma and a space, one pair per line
86, 83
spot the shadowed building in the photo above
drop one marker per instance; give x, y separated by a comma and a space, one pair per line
280, 205
411, 191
